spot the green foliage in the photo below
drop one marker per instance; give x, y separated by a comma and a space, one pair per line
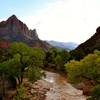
38, 56
96, 92
21, 56
58, 62
16, 60
24, 52
9, 67
77, 54
90, 98
26, 57
4, 54
34, 73
87, 68
73, 69
56, 58
20, 93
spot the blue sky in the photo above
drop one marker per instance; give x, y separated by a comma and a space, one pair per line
21, 7
60, 20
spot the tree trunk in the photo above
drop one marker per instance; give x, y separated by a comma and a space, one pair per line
3, 85
21, 78
19, 81
22, 73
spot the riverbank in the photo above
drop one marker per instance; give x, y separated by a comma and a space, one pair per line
61, 89
52, 87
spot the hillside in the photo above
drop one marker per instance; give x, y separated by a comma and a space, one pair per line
93, 43
15, 30
63, 45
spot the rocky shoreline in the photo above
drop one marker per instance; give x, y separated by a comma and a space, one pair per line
52, 87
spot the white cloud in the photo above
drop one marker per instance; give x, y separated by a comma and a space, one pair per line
66, 20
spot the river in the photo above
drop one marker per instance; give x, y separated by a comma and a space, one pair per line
61, 89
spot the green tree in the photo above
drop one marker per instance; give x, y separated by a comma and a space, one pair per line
34, 73
26, 57
56, 58
87, 68
65, 57
21, 56
50, 56
96, 92
4, 54
4, 70
77, 54
22, 51
8, 72
20, 93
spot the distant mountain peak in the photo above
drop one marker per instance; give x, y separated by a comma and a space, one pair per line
64, 45
13, 17
15, 30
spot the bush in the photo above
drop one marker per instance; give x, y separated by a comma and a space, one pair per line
56, 59
90, 98
96, 93
20, 93
34, 73
86, 69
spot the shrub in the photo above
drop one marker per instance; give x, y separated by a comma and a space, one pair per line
96, 93
20, 93
34, 73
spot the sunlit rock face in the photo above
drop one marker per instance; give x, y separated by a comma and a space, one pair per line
14, 30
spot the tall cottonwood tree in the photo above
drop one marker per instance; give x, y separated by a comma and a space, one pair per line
26, 57
87, 68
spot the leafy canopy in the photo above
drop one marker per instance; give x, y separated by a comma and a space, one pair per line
87, 68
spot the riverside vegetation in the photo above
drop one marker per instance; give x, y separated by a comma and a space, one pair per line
20, 61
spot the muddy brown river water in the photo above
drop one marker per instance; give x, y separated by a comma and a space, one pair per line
61, 89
